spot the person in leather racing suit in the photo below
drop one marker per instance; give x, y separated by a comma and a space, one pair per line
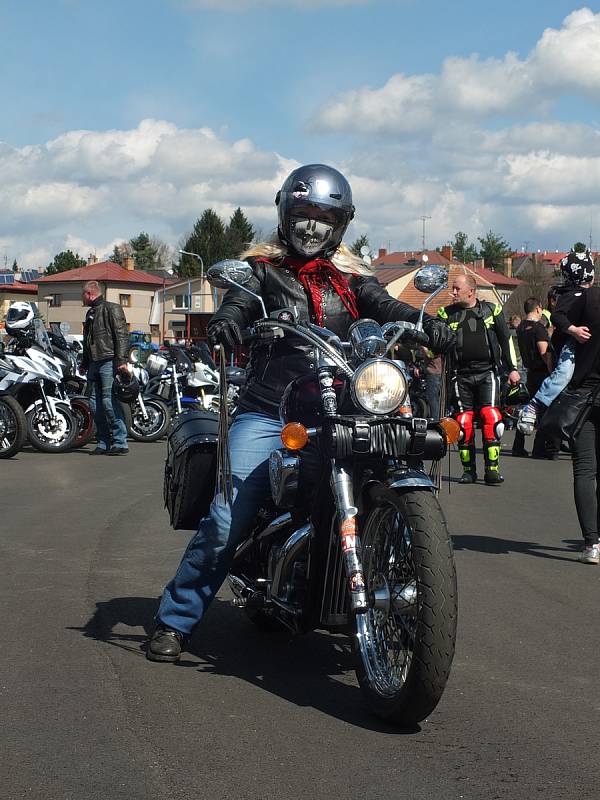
481, 353
306, 266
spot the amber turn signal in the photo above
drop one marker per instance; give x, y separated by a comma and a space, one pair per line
451, 429
294, 436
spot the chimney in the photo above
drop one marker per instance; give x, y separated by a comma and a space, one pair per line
129, 262
508, 267
382, 252
446, 251
92, 259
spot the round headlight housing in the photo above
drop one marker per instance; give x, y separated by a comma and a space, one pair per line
379, 387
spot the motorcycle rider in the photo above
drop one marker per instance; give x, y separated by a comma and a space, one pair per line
481, 353
305, 266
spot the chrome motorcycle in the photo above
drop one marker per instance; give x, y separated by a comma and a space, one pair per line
354, 539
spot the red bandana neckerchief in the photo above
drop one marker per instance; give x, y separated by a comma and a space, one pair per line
318, 275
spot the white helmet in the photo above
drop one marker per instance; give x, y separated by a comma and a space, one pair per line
19, 317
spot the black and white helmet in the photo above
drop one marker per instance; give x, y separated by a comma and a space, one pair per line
19, 317
314, 209
577, 268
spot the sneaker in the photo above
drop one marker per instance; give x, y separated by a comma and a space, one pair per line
99, 451
527, 419
118, 451
591, 554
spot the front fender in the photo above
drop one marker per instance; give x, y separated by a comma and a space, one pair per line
52, 403
406, 480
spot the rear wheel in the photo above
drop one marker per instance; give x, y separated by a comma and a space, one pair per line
405, 642
13, 427
51, 434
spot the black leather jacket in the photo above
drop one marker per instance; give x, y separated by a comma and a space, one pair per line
273, 366
107, 335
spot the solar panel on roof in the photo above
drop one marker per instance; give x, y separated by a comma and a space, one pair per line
6, 279
29, 275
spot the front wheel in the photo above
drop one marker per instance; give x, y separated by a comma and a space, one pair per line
13, 427
51, 434
153, 425
405, 641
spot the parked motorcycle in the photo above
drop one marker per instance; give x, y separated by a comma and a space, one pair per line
13, 425
75, 383
354, 540
148, 417
35, 381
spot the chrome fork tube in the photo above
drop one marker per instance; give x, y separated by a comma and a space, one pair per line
341, 485
177, 392
47, 405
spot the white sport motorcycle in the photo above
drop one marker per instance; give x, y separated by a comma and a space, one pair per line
36, 383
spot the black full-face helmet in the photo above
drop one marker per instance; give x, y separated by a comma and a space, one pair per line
126, 387
314, 208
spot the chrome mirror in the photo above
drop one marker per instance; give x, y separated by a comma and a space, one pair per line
230, 271
431, 278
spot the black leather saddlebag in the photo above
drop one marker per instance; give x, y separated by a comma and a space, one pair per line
190, 468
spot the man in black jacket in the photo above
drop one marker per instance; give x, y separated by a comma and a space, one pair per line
105, 345
481, 354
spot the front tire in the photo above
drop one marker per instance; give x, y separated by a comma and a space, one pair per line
51, 435
13, 427
405, 642
154, 426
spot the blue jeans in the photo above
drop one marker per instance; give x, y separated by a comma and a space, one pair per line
432, 383
209, 554
559, 377
111, 430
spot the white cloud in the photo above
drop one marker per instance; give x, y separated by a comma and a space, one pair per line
562, 61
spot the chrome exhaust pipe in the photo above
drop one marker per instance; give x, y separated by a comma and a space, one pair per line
288, 553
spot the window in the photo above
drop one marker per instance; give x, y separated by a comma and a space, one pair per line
125, 300
56, 300
181, 301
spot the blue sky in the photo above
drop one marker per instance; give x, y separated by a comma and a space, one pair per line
482, 116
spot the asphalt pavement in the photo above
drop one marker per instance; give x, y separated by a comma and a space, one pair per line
85, 551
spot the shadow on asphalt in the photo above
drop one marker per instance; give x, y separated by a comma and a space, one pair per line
497, 546
315, 670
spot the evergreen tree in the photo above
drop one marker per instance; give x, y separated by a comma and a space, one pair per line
462, 250
493, 251
15, 266
64, 261
239, 234
357, 244
144, 252
208, 240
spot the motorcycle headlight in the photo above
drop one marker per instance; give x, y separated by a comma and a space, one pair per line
379, 387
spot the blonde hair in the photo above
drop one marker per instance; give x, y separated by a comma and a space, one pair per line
342, 259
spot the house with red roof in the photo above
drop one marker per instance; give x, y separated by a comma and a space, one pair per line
396, 272
59, 295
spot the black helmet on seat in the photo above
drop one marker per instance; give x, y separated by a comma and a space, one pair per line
126, 386
314, 209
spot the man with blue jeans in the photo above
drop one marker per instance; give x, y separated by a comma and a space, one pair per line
577, 268
105, 345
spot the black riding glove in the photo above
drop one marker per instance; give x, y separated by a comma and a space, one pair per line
225, 332
441, 338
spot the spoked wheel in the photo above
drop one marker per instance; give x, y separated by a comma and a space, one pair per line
13, 427
51, 435
84, 418
153, 425
405, 641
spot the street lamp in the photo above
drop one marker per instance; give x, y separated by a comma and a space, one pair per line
194, 255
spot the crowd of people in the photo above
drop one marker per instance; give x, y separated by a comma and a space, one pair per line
557, 347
